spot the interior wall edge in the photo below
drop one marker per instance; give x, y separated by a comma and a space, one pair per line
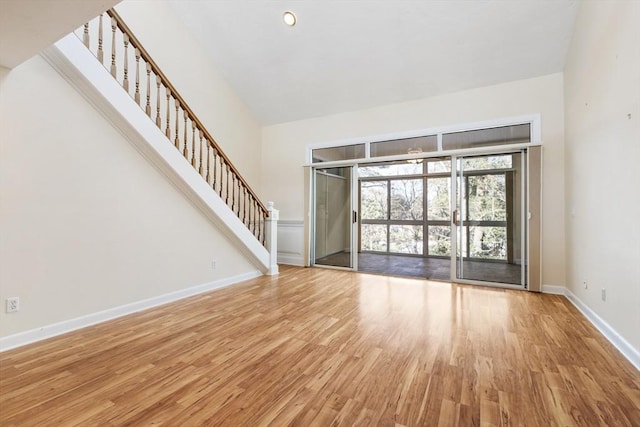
631, 353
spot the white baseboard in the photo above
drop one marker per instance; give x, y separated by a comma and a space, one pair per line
297, 260
631, 353
627, 350
48, 331
553, 289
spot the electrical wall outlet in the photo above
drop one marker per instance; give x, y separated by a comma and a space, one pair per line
585, 284
13, 304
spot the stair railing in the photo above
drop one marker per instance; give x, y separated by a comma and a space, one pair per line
154, 93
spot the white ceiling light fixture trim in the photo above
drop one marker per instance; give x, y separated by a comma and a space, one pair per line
289, 18
414, 151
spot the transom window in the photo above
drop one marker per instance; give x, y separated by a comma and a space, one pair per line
439, 142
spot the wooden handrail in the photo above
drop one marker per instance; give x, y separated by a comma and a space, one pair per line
184, 130
133, 40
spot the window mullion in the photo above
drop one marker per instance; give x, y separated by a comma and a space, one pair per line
425, 207
388, 216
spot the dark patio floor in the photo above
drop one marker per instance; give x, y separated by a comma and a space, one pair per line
426, 268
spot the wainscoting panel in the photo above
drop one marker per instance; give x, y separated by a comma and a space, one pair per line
291, 242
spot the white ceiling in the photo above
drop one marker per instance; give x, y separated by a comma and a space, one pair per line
28, 26
347, 55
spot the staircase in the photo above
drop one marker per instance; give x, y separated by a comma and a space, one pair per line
110, 67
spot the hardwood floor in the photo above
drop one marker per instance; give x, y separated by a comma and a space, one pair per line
325, 347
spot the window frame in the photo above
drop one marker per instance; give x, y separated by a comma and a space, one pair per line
425, 222
534, 120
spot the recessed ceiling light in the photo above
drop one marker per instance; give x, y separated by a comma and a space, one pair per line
289, 18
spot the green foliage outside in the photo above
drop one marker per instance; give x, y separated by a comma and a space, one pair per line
403, 200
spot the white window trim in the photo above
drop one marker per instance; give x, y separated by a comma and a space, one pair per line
533, 119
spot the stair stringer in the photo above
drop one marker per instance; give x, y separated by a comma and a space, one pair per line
81, 69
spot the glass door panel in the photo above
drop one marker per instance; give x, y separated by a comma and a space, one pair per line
489, 218
439, 203
334, 217
438, 211
392, 208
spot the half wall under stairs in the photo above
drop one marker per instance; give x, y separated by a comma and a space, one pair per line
76, 64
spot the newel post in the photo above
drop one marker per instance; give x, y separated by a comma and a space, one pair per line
271, 237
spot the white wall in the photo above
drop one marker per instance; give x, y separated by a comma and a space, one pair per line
284, 145
602, 108
3, 73
202, 86
27, 27
86, 223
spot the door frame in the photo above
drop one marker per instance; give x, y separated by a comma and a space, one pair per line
532, 182
531, 212
456, 202
353, 223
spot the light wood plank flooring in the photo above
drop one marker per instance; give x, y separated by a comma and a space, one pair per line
325, 347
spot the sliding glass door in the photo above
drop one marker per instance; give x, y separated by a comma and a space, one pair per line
489, 218
335, 217
459, 218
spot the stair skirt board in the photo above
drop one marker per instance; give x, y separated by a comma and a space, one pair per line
80, 68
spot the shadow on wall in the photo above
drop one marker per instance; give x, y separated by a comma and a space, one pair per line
3, 73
